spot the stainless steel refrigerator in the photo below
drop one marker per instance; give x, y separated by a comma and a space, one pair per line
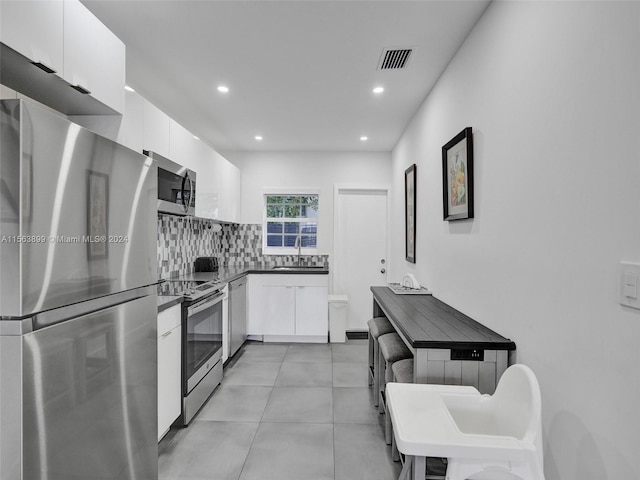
78, 265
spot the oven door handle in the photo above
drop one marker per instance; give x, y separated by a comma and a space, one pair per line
209, 302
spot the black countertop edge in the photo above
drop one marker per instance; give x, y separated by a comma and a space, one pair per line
291, 270
509, 345
167, 302
230, 273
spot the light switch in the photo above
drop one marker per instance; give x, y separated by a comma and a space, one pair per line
630, 285
629, 273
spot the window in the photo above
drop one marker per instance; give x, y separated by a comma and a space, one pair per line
288, 217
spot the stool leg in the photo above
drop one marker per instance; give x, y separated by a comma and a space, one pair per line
379, 379
371, 361
388, 432
395, 454
386, 376
382, 382
419, 468
376, 371
406, 468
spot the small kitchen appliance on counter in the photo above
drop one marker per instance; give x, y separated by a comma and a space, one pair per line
206, 264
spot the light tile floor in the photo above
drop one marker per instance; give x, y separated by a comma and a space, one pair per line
285, 412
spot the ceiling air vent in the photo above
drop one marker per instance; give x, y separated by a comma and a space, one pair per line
394, 59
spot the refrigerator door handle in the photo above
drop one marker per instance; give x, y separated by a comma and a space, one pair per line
207, 303
63, 314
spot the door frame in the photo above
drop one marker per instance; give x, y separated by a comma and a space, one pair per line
342, 189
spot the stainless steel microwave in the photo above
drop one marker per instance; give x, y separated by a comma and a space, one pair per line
176, 186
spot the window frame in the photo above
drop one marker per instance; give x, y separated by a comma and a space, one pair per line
267, 250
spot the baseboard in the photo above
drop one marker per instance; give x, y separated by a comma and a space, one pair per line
357, 334
295, 338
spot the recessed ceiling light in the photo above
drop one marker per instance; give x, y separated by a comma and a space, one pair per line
223, 89
128, 88
258, 137
378, 90
364, 139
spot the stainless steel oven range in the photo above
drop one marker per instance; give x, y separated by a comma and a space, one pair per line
201, 341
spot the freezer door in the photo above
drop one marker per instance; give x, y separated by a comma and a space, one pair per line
89, 397
78, 216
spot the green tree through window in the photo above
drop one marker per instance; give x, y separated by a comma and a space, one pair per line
289, 217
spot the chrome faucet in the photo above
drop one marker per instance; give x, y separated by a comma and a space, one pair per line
298, 245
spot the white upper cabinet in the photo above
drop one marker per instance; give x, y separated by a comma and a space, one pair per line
34, 28
132, 127
144, 126
65, 37
207, 191
229, 192
217, 181
184, 149
94, 58
156, 130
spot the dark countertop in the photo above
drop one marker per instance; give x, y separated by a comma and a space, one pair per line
426, 322
229, 273
168, 301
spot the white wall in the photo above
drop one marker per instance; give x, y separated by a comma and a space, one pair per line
552, 91
307, 170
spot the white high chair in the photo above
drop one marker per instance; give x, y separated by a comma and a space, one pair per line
484, 437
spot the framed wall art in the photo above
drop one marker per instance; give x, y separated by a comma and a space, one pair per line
97, 214
410, 213
457, 176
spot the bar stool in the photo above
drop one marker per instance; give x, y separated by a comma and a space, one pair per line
392, 349
377, 326
402, 373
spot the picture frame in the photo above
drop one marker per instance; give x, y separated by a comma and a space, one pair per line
457, 177
97, 214
410, 213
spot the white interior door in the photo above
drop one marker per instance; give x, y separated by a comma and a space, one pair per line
360, 249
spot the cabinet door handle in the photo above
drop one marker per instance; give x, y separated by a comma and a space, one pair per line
43, 66
166, 334
81, 89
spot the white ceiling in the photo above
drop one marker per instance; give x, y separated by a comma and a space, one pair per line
300, 73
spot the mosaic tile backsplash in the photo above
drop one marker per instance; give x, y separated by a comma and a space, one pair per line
182, 239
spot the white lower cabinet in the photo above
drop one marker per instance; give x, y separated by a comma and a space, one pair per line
312, 310
169, 362
288, 307
278, 309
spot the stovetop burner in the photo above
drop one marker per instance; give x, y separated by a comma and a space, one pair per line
190, 289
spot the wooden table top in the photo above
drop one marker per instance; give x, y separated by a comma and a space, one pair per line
426, 322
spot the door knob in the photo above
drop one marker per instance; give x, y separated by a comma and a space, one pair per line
382, 270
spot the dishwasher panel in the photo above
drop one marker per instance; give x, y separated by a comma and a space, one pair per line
237, 314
